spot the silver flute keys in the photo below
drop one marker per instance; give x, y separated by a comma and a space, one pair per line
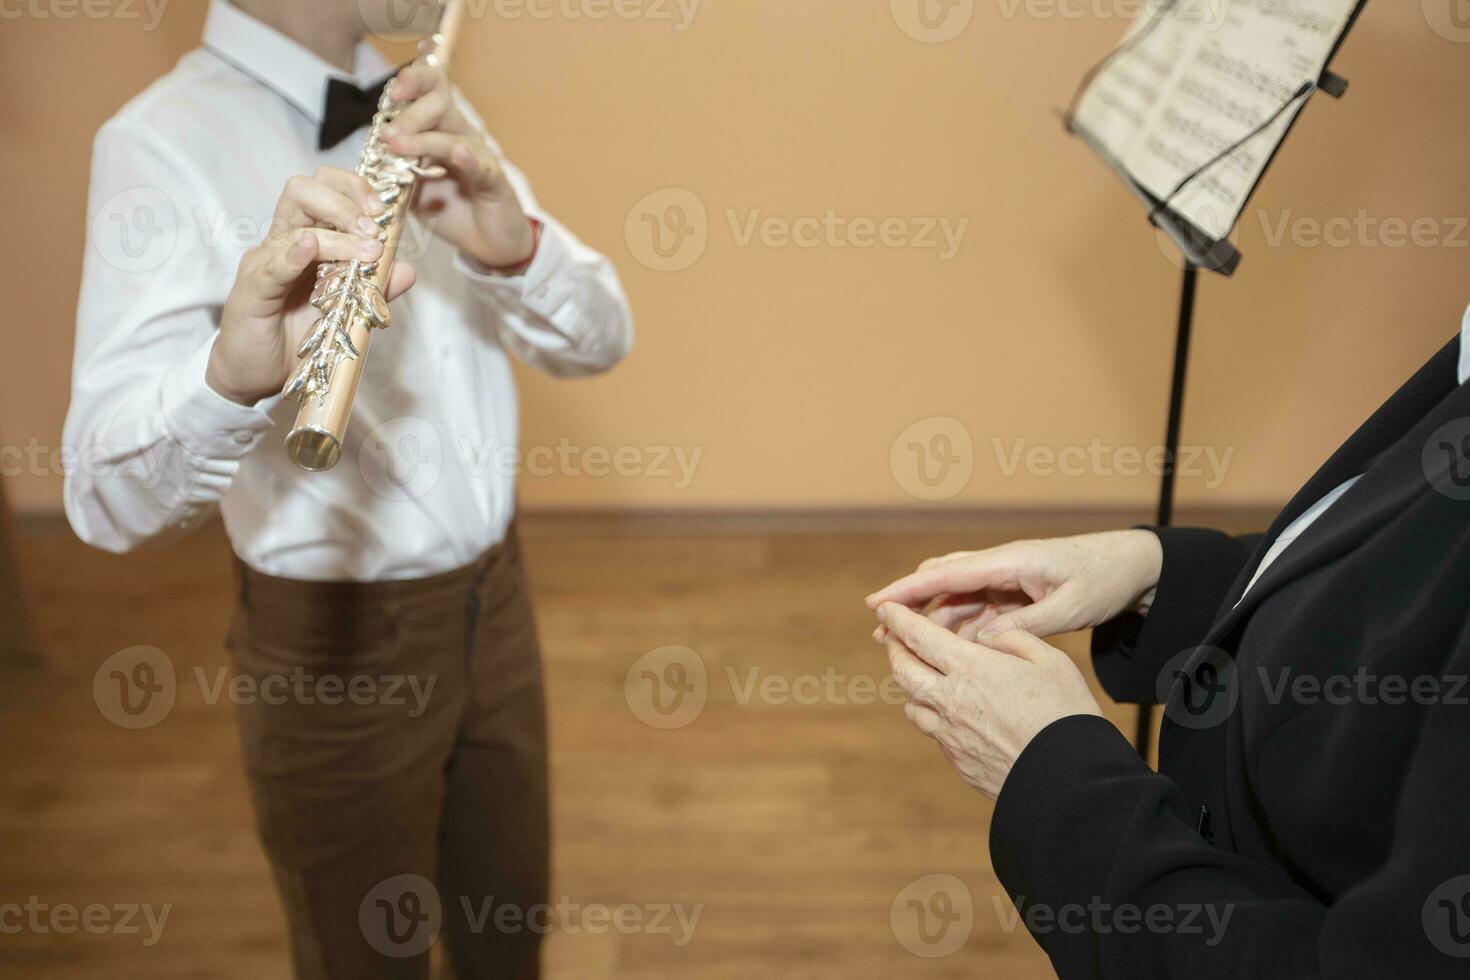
346, 292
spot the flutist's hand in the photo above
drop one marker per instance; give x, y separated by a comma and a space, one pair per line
474, 208
1042, 587
318, 219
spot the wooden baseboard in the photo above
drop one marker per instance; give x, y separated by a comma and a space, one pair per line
873, 520
877, 520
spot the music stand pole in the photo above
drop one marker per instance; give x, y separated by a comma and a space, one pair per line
1165, 517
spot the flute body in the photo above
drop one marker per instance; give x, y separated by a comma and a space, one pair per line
352, 296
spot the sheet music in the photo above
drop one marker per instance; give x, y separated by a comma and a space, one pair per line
1121, 102
1203, 76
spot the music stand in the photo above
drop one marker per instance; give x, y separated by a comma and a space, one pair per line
1200, 250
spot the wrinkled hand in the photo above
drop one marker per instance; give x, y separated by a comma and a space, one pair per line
323, 218
983, 704
474, 207
1042, 587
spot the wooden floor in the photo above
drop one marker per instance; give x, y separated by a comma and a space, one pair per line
796, 827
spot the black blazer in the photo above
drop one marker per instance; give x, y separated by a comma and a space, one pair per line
1311, 813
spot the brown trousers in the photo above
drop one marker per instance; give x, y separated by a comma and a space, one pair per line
395, 745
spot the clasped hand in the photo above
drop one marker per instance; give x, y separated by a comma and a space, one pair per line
962, 636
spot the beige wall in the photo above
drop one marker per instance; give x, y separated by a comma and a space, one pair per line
794, 370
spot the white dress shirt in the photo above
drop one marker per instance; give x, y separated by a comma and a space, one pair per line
1314, 513
184, 181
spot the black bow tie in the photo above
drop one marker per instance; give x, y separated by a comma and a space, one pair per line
348, 109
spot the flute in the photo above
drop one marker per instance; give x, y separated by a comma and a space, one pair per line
352, 296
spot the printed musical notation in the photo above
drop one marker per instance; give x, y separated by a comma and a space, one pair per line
1303, 18
1194, 79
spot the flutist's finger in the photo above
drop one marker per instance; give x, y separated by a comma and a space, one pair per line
401, 279
269, 273
433, 110
469, 158
334, 246
352, 185
475, 165
417, 80
281, 267
434, 145
307, 202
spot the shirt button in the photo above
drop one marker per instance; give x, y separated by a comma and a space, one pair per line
539, 292
243, 438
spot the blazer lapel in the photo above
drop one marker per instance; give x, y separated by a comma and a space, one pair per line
1385, 452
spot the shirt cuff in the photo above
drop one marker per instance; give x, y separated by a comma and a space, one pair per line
204, 422
547, 287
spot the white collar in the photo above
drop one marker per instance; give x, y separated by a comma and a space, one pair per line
1465, 348
280, 63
